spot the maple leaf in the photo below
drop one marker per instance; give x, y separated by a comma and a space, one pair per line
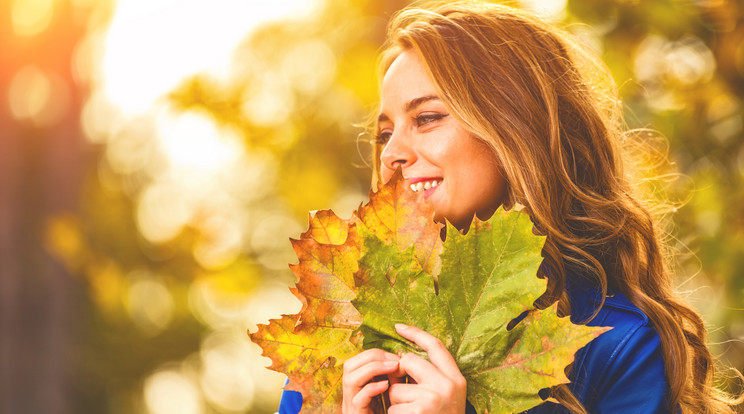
326, 228
323, 335
488, 279
312, 358
311, 346
398, 216
356, 278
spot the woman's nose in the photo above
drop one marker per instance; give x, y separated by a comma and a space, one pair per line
398, 152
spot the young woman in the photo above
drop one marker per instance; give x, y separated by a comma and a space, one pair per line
489, 106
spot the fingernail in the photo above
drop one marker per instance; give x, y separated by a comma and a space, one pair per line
391, 357
400, 327
390, 363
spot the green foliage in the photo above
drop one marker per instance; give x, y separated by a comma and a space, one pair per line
487, 280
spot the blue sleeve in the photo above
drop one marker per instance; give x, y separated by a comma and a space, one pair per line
622, 371
634, 380
291, 402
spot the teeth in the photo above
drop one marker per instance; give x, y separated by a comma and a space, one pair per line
424, 185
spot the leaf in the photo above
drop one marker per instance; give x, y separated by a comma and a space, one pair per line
358, 277
488, 279
311, 346
326, 228
325, 283
312, 358
399, 216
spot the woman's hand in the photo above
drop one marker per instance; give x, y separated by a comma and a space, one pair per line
439, 386
359, 371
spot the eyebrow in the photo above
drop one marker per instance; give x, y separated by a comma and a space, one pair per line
412, 104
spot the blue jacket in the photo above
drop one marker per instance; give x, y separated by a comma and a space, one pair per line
620, 372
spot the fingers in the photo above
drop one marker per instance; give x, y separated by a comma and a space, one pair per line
359, 387
438, 353
403, 393
417, 368
363, 399
366, 357
407, 408
441, 397
439, 386
355, 380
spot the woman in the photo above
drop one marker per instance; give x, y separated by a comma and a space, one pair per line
488, 106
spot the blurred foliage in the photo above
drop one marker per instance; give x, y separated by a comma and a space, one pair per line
181, 252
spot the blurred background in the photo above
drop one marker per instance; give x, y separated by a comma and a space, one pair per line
156, 155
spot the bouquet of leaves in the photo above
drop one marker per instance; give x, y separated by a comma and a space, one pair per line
387, 264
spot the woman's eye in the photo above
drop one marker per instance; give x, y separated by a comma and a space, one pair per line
424, 119
382, 138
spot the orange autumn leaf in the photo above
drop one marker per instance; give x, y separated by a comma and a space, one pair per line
322, 335
326, 228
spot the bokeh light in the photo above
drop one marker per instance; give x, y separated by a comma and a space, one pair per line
226, 378
162, 213
30, 17
548, 9
170, 392
149, 302
193, 141
38, 96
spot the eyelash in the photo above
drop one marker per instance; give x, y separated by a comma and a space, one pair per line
420, 121
424, 119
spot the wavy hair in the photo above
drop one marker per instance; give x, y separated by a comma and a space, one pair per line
549, 111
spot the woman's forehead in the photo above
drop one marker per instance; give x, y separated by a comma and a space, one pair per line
405, 81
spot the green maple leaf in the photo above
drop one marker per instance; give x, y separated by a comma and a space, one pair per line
387, 265
488, 279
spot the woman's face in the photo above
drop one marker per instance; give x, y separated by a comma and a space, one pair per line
458, 173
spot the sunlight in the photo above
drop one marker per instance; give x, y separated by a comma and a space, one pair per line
154, 45
193, 140
548, 9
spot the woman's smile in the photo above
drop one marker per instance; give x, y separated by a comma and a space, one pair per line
427, 184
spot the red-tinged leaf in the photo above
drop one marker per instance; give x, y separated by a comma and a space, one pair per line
311, 347
325, 284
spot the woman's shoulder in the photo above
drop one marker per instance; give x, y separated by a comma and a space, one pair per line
623, 368
630, 327
620, 371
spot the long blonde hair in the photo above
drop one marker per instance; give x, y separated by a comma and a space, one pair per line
549, 110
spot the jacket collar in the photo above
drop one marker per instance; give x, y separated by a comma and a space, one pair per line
586, 297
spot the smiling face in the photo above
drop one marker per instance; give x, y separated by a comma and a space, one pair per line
458, 172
